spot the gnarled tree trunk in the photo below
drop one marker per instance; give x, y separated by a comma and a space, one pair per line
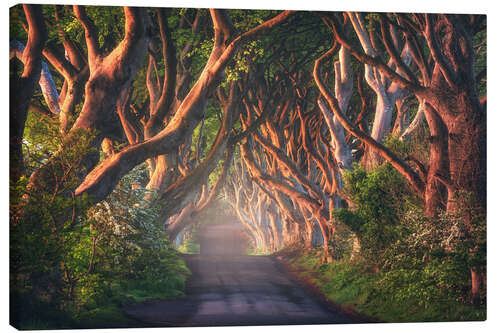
109, 75
22, 88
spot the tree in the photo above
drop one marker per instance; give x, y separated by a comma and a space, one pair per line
108, 75
276, 110
22, 88
458, 159
102, 179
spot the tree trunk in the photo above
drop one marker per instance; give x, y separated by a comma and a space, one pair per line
103, 179
387, 92
343, 93
21, 89
435, 191
467, 151
109, 76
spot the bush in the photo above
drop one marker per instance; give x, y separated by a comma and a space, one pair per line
380, 197
422, 264
431, 259
136, 257
406, 294
84, 262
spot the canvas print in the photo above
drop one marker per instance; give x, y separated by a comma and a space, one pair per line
175, 167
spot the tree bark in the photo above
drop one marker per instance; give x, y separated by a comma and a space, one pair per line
104, 177
22, 88
109, 76
435, 191
47, 85
343, 93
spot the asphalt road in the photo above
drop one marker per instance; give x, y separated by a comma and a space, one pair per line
229, 288
237, 290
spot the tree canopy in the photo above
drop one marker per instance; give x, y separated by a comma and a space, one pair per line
330, 129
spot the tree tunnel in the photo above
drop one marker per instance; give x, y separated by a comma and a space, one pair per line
248, 132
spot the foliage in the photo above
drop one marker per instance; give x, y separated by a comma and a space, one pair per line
432, 256
251, 54
341, 244
77, 260
190, 246
417, 148
422, 263
398, 295
108, 20
135, 256
45, 224
398, 146
16, 17
380, 196
423, 267
41, 140
190, 240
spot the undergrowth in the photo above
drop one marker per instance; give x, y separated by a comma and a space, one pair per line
381, 295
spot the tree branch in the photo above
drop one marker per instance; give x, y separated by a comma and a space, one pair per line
21, 89
375, 61
391, 49
91, 36
46, 82
166, 98
445, 68
100, 181
397, 163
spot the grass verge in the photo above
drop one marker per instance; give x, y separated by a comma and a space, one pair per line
358, 289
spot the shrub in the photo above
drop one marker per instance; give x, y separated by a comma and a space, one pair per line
79, 260
381, 197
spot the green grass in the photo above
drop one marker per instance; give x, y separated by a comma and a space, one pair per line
107, 316
33, 314
190, 246
99, 304
257, 252
353, 285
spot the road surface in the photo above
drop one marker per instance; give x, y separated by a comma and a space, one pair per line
237, 290
229, 288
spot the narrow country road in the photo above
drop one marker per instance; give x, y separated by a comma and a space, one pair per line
237, 290
229, 288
